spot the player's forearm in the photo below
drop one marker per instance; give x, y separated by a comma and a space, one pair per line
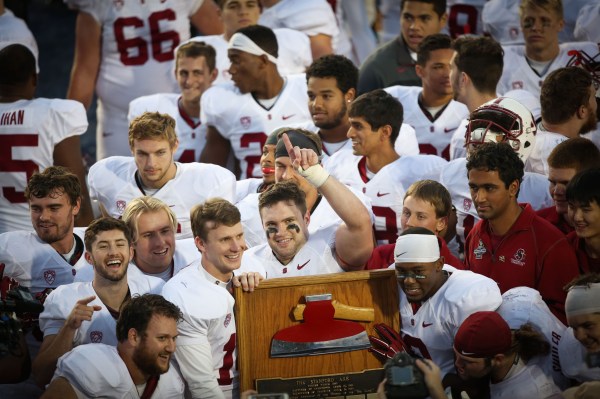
346, 205
320, 45
44, 364
86, 62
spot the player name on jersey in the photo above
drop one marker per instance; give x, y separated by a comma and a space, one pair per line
12, 118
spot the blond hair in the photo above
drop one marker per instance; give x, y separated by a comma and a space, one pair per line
142, 205
153, 126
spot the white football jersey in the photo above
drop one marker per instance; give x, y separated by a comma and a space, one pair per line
97, 371
190, 133
213, 326
312, 17
317, 256
322, 216
525, 381
464, 17
522, 305
501, 20
29, 130
14, 30
245, 187
433, 134
457, 142
521, 76
34, 263
138, 39
587, 26
573, 359
534, 190
431, 329
387, 187
294, 54
102, 327
545, 142
245, 123
112, 182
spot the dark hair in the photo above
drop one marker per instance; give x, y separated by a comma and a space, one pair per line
482, 58
17, 65
52, 180
105, 224
335, 66
217, 210
583, 280
578, 153
137, 312
498, 157
437, 41
379, 108
263, 37
195, 49
283, 191
584, 187
528, 342
563, 92
439, 6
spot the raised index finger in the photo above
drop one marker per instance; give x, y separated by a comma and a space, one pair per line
289, 147
86, 300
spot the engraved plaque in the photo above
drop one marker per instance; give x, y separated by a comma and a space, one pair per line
348, 385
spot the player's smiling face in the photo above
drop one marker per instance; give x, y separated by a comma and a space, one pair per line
586, 329
110, 254
417, 212
327, 103
53, 216
222, 250
420, 281
156, 346
193, 77
267, 163
154, 161
365, 140
490, 196
155, 242
559, 178
238, 14
286, 229
586, 219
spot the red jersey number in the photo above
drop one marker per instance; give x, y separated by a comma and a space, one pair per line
462, 20
225, 375
134, 51
8, 164
252, 160
390, 234
429, 149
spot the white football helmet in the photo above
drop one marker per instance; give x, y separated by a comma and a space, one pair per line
502, 119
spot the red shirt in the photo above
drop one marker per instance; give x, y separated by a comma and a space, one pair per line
383, 256
557, 220
586, 264
533, 253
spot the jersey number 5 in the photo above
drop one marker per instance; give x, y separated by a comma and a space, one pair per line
134, 51
8, 164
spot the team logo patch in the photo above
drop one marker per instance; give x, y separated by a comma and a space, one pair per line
519, 257
480, 250
513, 33
518, 85
227, 320
284, 271
245, 121
119, 4
49, 276
121, 206
96, 337
467, 204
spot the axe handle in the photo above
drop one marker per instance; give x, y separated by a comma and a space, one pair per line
344, 312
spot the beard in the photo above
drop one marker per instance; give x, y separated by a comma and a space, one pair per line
147, 361
590, 124
337, 119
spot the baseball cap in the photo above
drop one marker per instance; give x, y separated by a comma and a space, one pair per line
483, 334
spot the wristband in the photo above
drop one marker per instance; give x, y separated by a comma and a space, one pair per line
316, 175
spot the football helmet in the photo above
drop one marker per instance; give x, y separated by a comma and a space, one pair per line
502, 119
591, 64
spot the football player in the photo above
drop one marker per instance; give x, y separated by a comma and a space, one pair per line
259, 100
36, 133
86, 313
195, 72
431, 110
152, 171
124, 50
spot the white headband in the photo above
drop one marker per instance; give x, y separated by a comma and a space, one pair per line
416, 248
241, 42
582, 299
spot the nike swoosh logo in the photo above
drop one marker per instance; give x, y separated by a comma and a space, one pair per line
301, 266
286, 117
381, 195
448, 130
397, 255
106, 134
427, 324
